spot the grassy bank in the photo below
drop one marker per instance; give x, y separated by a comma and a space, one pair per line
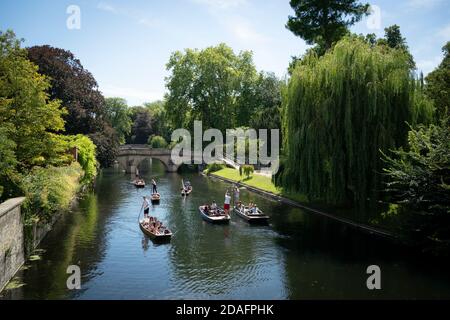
50, 190
261, 182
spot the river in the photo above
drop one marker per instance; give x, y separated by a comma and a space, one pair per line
299, 255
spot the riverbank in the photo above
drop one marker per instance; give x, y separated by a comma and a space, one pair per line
263, 185
298, 256
50, 193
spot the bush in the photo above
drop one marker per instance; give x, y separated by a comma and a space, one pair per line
248, 170
50, 190
419, 179
157, 142
213, 167
86, 155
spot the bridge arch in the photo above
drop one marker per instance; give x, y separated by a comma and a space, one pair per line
130, 156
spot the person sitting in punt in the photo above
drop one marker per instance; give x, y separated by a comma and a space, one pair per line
254, 209
214, 205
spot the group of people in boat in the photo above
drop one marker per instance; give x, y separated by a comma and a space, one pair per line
251, 209
213, 209
153, 225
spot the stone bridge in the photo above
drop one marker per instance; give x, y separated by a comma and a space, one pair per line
131, 155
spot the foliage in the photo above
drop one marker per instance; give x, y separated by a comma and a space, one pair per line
142, 127
50, 190
160, 122
419, 178
157, 142
8, 159
78, 91
107, 145
324, 22
27, 115
119, 116
248, 170
213, 167
86, 155
394, 39
268, 101
213, 85
339, 110
438, 84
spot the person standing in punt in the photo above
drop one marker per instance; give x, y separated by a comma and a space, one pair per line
146, 206
154, 189
236, 194
226, 205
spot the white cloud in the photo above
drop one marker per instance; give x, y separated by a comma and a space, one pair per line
424, 4
106, 7
444, 33
426, 66
221, 4
130, 14
244, 31
151, 23
132, 95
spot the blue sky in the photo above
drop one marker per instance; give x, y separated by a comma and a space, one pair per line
126, 44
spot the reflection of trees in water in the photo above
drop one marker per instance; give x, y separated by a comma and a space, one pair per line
327, 259
77, 238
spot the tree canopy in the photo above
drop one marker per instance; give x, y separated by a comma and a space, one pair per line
324, 22
222, 89
438, 84
78, 91
28, 116
210, 85
31, 135
118, 115
142, 125
339, 111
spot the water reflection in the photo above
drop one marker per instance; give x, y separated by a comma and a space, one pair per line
298, 255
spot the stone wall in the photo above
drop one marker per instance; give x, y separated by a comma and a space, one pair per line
11, 239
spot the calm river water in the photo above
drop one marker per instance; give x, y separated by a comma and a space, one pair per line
300, 255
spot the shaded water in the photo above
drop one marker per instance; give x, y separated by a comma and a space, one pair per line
299, 255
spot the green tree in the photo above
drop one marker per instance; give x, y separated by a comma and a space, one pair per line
158, 114
339, 111
394, 39
324, 22
419, 179
213, 85
267, 99
86, 155
248, 170
27, 115
8, 159
437, 85
142, 127
157, 142
119, 116
78, 91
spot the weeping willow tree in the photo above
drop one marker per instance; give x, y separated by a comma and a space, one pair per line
339, 111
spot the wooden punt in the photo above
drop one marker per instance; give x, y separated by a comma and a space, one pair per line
187, 192
139, 184
219, 218
155, 236
255, 218
155, 197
